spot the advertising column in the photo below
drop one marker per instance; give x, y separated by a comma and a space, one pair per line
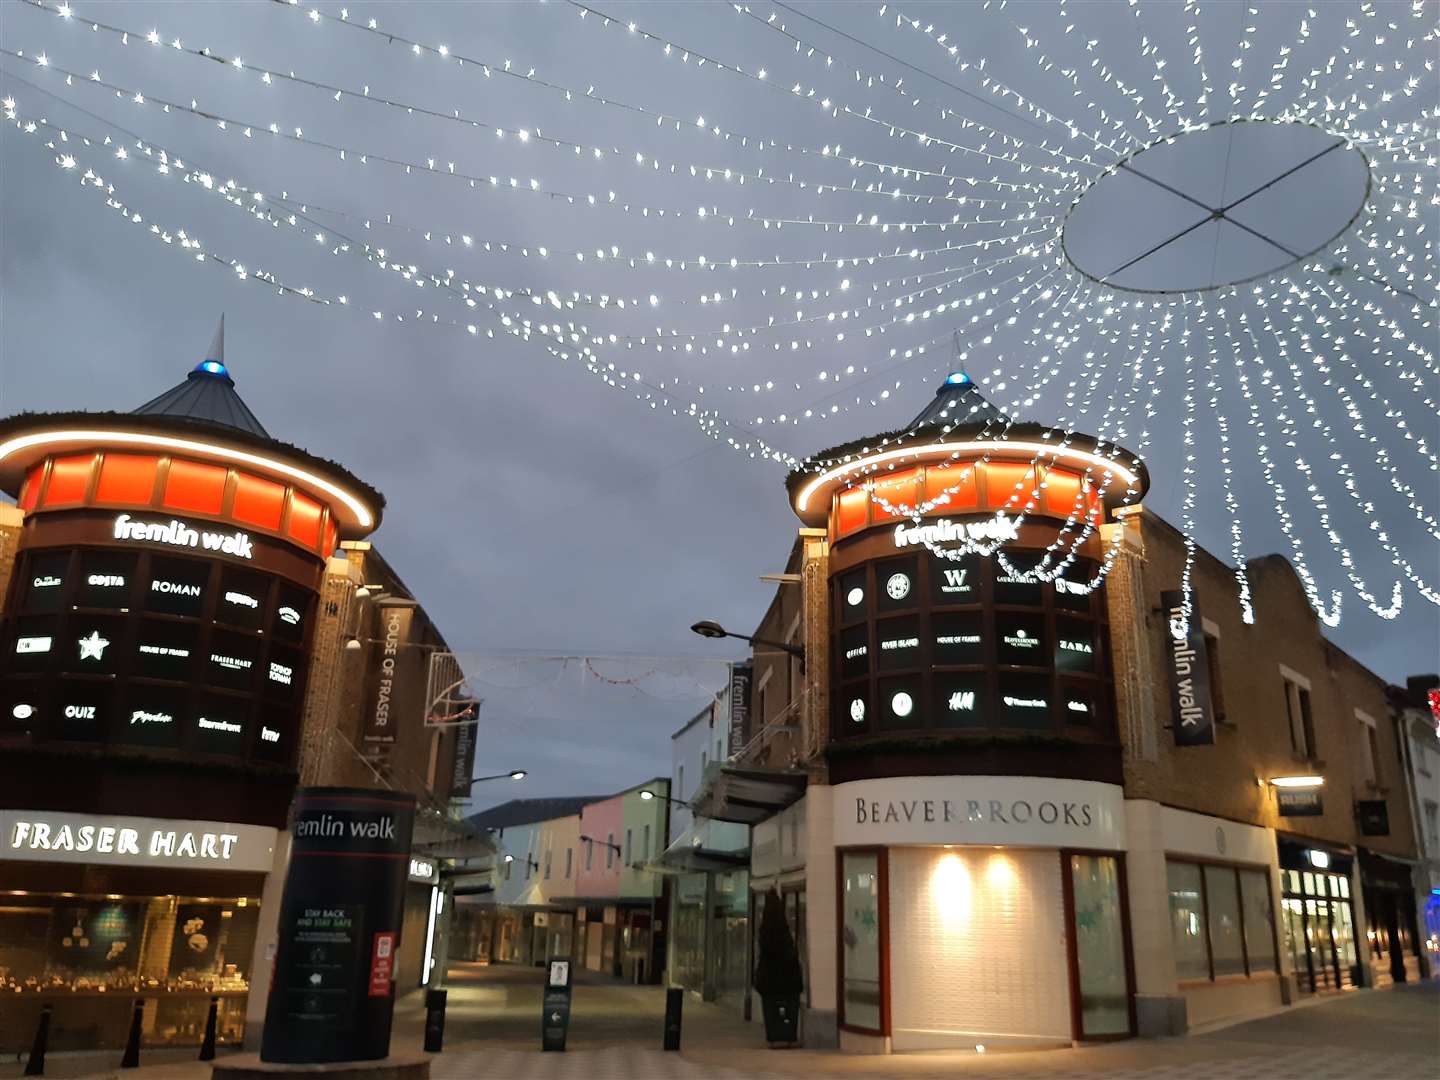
333, 990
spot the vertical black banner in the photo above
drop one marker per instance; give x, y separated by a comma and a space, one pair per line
739, 706
333, 989
1191, 710
464, 770
395, 678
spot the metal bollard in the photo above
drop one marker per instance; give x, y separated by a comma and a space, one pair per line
35, 1064
131, 1060
674, 1005
207, 1045
435, 1020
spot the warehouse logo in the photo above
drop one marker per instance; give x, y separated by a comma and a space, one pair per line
178, 534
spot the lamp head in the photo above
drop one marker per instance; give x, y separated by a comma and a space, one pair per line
517, 774
509, 858
353, 645
647, 795
709, 628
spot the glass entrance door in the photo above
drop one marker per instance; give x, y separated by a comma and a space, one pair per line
1099, 934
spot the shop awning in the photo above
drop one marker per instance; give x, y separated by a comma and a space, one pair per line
748, 793
442, 837
697, 850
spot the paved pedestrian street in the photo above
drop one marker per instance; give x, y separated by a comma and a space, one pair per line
493, 1021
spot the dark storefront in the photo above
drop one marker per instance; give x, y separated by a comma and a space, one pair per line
1319, 920
1392, 937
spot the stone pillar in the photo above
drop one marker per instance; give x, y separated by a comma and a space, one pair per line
267, 929
11, 521
815, 605
1159, 1006
1130, 644
821, 1019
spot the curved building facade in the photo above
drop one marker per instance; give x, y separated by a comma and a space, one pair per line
164, 572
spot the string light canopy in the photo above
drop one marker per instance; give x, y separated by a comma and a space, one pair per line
1199, 230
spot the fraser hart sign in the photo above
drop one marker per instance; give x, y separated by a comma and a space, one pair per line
1027, 810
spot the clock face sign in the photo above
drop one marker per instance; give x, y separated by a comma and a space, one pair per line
901, 704
855, 596
857, 710
897, 587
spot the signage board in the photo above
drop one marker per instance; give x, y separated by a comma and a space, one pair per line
1020, 810
176, 533
395, 679
464, 769
1373, 816
1299, 802
332, 992
51, 836
1192, 711
739, 706
555, 1006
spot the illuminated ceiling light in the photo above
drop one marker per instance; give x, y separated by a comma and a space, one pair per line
1297, 781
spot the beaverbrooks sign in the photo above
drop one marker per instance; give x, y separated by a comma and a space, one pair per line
1026, 810
178, 534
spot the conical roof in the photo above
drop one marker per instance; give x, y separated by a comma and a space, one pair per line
958, 401
207, 394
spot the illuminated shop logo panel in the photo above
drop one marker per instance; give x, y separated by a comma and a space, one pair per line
155, 652
922, 641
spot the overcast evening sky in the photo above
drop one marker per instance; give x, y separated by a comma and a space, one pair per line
532, 508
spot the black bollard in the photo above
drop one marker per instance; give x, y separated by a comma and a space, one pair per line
207, 1044
131, 1060
35, 1065
435, 1020
674, 1004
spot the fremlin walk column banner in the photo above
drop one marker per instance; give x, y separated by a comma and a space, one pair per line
333, 988
1191, 710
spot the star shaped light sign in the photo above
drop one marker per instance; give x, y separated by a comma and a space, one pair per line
93, 647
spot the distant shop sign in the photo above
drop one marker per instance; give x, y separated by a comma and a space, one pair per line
1299, 803
35, 836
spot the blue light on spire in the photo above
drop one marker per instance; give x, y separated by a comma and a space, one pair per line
957, 378
213, 367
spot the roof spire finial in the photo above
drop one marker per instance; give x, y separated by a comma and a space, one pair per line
216, 351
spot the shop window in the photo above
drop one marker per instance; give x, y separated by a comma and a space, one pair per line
629, 847
897, 643
1369, 749
645, 851
230, 661
23, 708
1222, 906
959, 637
854, 712
900, 703
1011, 587
1187, 921
589, 857
896, 588
569, 862
127, 479
152, 717
292, 612
69, 479
961, 701
195, 487
166, 649
1020, 640
1025, 701
860, 936
547, 864
84, 709
91, 645
855, 652
1259, 916
1221, 920
1079, 705
36, 643
44, 588
1074, 645
258, 502
1432, 828
956, 581
1072, 586
854, 599
107, 579
177, 586
222, 725
1302, 721
243, 599
609, 851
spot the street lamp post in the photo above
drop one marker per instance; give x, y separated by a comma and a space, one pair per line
710, 629
648, 795
604, 843
513, 774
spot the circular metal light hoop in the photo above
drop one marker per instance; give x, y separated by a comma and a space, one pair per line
1197, 212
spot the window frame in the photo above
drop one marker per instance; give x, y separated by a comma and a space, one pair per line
882, 884
1235, 869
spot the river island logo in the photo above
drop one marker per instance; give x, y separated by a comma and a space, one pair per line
178, 534
898, 587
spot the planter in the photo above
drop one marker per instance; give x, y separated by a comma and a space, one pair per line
782, 1021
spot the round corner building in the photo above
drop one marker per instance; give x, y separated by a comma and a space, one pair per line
164, 568
973, 762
